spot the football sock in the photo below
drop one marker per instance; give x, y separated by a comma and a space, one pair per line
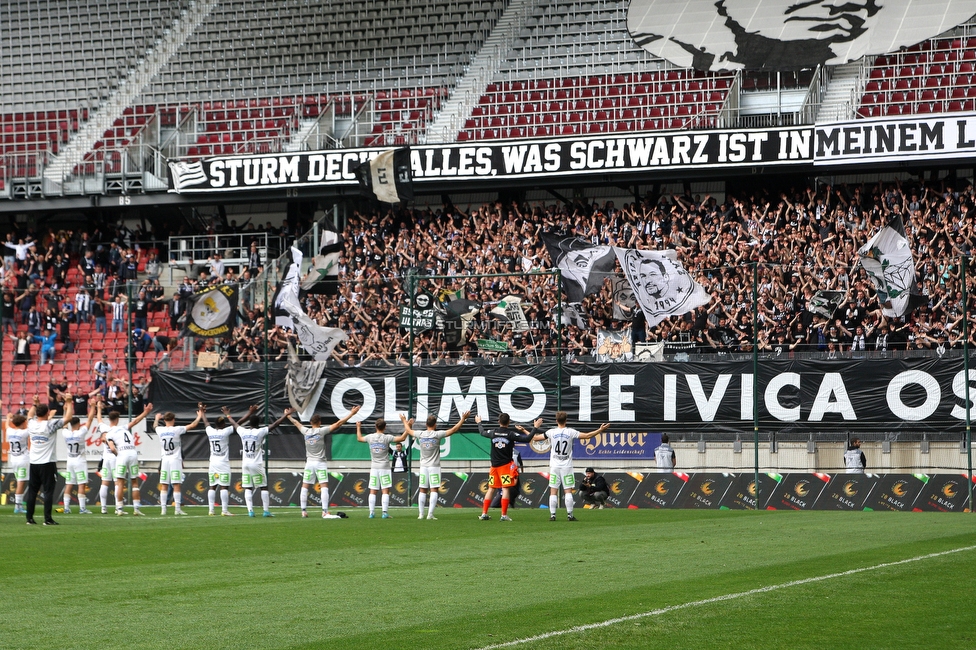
102, 495
249, 499
372, 503
119, 501
553, 504
224, 499
433, 504
19, 499
136, 502
67, 498
304, 498
485, 506
211, 498
422, 502
386, 502
569, 503
325, 498
504, 506
177, 499
266, 500
163, 498
82, 501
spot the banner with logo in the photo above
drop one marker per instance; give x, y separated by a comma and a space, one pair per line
212, 312
603, 446
634, 490
498, 163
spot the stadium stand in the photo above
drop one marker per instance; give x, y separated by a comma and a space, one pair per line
935, 76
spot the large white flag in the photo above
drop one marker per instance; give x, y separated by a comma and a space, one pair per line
887, 258
317, 340
661, 285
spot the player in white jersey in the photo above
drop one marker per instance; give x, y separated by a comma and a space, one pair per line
561, 473
107, 465
380, 469
122, 442
252, 461
218, 440
18, 460
429, 442
76, 469
316, 469
43, 430
171, 464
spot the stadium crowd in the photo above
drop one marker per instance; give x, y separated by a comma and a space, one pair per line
805, 240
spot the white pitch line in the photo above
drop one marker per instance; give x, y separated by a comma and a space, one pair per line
719, 599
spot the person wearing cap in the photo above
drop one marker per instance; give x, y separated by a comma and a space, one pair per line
854, 458
594, 489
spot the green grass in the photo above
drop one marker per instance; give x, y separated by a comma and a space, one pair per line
214, 582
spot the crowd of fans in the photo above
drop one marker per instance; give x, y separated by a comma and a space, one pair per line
805, 240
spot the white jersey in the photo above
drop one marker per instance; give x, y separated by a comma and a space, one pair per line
75, 441
561, 453
219, 443
315, 442
43, 436
430, 447
124, 439
17, 440
379, 449
664, 456
852, 460
252, 441
169, 440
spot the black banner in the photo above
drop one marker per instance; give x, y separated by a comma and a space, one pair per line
793, 396
897, 492
502, 162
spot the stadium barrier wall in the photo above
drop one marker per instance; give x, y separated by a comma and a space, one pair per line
634, 490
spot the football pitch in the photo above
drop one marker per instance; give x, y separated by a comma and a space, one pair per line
621, 578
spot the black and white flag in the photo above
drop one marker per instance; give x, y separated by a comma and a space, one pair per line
887, 258
624, 300
824, 303
573, 314
510, 309
211, 312
661, 285
584, 266
388, 176
187, 174
323, 275
318, 341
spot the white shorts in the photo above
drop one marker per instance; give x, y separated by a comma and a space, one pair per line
430, 478
19, 466
316, 471
219, 472
77, 471
109, 462
562, 476
252, 474
380, 478
171, 470
127, 463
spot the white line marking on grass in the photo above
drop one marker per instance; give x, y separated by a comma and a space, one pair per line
719, 599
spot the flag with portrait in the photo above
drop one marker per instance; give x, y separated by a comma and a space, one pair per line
662, 287
887, 258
